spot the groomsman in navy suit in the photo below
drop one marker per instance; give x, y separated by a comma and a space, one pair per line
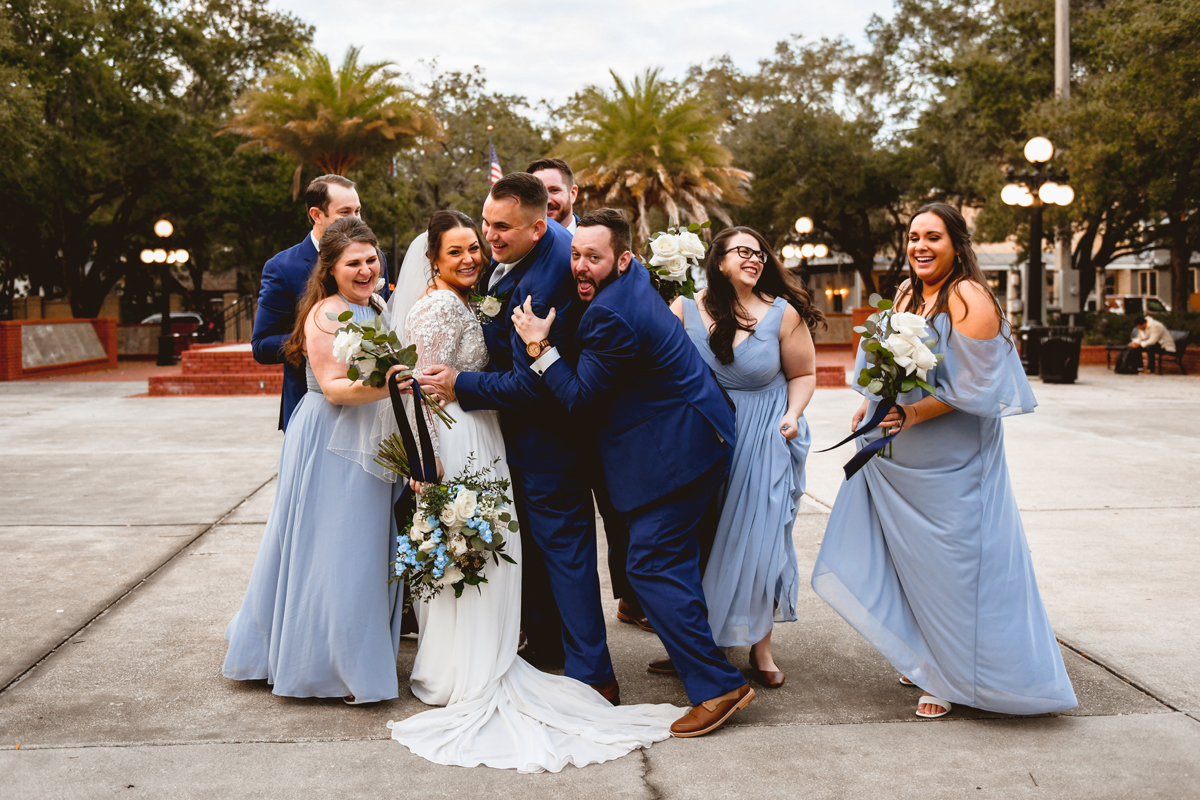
285, 276
546, 451
562, 191
666, 433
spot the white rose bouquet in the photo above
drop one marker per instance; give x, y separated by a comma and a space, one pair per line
897, 353
369, 351
672, 255
456, 529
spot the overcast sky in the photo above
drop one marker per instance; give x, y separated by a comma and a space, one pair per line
549, 50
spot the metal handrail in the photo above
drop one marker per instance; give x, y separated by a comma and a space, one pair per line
240, 314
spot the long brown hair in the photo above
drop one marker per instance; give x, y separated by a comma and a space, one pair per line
965, 267
340, 234
447, 219
721, 301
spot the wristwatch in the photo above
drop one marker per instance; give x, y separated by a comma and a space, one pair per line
535, 349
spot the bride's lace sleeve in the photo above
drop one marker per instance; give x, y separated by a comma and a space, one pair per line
436, 329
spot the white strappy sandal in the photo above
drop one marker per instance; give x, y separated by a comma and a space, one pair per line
928, 699
906, 682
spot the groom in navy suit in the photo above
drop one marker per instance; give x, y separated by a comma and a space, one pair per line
285, 276
666, 433
550, 473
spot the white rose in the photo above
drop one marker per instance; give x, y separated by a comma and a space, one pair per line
925, 360
902, 348
665, 246
908, 324
490, 306
451, 575
426, 546
448, 516
346, 345
465, 504
458, 545
420, 528
690, 245
672, 269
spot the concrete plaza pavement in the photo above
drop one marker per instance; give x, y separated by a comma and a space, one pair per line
129, 525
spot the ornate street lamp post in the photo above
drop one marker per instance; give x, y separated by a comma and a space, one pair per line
806, 249
1034, 189
166, 343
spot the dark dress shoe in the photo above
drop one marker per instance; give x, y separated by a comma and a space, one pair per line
609, 690
712, 714
772, 679
627, 613
662, 666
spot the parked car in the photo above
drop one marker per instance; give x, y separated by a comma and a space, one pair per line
205, 330
1132, 304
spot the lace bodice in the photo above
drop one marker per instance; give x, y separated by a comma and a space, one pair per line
447, 332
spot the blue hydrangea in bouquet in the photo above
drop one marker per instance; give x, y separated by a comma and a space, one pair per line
456, 529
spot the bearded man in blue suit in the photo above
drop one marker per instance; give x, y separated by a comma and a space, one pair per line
285, 277
547, 456
666, 432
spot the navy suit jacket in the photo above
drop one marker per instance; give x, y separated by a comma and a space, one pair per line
536, 427
284, 279
661, 417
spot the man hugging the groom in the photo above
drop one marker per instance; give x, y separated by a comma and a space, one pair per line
666, 433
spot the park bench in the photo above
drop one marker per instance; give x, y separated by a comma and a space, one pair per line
1182, 340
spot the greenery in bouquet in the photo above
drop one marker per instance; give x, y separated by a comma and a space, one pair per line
672, 256
897, 353
370, 350
456, 529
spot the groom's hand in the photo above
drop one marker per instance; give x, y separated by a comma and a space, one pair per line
529, 326
438, 382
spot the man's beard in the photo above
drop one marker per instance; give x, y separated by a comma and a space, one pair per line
560, 215
605, 281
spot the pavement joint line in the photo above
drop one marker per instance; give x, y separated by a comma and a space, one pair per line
815, 501
1077, 651
647, 768
182, 547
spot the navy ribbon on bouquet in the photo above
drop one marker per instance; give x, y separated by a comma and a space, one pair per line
852, 466
422, 464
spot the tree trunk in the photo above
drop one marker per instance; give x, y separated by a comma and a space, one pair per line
1181, 251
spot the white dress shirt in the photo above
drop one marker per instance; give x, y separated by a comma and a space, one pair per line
316, 242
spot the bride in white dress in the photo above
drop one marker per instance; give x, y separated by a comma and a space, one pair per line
497, 709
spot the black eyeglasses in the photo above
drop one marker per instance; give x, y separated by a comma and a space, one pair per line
747, 252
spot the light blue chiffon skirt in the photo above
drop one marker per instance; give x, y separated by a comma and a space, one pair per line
320, 618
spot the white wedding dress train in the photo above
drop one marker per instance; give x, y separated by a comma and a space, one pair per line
498, 711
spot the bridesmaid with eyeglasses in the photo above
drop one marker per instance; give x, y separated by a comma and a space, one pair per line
752, 324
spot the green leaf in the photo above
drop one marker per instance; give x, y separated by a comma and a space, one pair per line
874, 386
478, 543
508, 558
706, 224
885, 305
859, 329
694, 227
345, 316
872, 346
926, 386
908, 384
864, 378
871, 358
874, 300
332, 316
513, 526
352, 373
504, 516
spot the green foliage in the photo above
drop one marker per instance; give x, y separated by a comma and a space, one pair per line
648, 146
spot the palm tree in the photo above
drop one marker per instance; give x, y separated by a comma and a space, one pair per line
648, 146
332, 120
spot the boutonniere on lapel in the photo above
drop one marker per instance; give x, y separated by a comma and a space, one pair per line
489, 307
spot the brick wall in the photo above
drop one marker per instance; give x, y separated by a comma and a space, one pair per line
11, 368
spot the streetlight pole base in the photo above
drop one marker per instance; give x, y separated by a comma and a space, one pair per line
166, 351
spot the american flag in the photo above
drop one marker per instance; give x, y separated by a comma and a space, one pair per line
497, 173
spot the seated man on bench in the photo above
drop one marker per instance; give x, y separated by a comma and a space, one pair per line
1153, 338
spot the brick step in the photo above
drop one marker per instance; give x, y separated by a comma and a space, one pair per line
235, 360
266, 383
831, 376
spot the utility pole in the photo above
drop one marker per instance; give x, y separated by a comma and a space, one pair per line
1070, 302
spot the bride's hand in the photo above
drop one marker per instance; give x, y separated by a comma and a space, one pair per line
438, 382
529, 326
419, 487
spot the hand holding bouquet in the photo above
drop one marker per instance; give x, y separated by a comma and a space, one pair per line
456, 529
899, 358
370, 350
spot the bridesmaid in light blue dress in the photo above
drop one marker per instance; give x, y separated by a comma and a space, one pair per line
925, 554
751, 325
320, 618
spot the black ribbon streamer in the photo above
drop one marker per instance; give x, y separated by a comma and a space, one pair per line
422, 464
864, 455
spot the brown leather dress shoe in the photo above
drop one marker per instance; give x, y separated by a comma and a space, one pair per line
772, 679
609, 690
712, 714
662, 666
627, 614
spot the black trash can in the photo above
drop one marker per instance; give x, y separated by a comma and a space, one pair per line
1058, 355
1031, 339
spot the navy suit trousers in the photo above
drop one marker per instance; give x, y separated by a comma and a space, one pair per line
664, 569
558, 512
